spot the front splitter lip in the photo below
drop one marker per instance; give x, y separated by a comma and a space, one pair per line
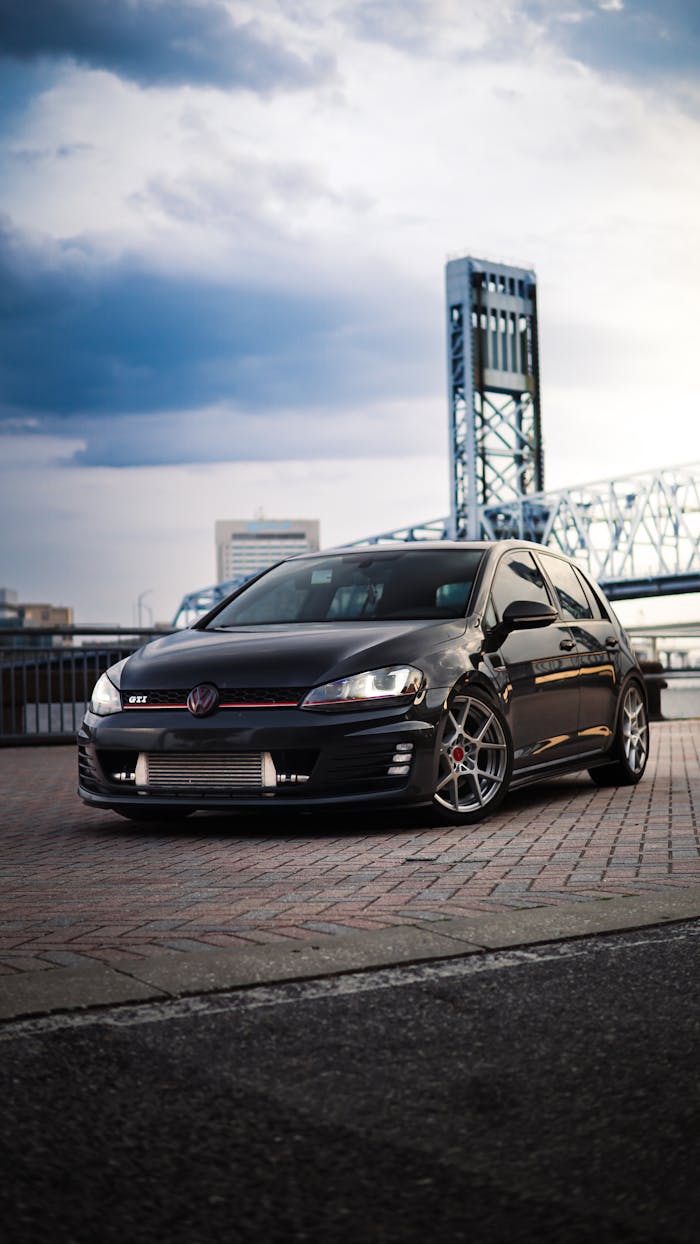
260, 803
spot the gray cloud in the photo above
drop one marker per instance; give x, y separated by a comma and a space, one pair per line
157, 42
405, 24
640, 39
20, 83
82, 344
253, 199
228, 434
637, 39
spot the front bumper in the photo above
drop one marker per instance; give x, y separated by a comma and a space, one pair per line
317, 758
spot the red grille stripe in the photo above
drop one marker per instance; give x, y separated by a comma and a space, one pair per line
246, 704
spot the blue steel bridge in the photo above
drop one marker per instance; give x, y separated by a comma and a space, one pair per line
638, 535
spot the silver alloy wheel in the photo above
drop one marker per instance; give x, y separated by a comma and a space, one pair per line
634, 730
473, 759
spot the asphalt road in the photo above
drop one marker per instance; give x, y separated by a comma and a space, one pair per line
548, 1095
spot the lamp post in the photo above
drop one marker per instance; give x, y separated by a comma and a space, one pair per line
139, 606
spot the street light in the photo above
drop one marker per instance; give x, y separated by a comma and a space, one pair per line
139, 606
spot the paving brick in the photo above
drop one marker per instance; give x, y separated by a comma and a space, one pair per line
79, 886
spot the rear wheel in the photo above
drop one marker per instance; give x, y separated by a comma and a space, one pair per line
474, 761
631, 746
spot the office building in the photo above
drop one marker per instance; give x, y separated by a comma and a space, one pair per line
245, 547
15, 615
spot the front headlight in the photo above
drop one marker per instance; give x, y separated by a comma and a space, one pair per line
396, 682
105, 698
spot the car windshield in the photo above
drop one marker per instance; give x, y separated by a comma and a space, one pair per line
368, 586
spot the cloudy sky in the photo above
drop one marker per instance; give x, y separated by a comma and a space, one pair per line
223, 230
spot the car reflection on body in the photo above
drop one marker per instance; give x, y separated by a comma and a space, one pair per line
438, 673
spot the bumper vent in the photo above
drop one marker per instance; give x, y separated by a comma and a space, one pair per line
87, 776
356, 769
225, 773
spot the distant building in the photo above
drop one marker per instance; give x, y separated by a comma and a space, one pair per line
16, 614
243, 548
45, 615
9, 603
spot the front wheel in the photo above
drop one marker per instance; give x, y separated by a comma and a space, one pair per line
631, 746
474, 760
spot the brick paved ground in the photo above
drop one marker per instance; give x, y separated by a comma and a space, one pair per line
79, 886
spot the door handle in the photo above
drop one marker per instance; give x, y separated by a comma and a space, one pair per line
567, 644
611, 642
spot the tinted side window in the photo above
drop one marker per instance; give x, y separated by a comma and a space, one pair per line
490, 619
571, 598
593, 598
518, 577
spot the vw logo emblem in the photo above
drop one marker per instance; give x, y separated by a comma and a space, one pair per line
203, 699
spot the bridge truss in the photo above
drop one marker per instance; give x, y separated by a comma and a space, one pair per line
638, 535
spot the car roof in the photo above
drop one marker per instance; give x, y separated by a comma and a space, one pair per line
428, 546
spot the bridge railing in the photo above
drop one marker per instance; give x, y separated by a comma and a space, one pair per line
47, 676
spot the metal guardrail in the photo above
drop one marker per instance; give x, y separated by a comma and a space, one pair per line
45, 686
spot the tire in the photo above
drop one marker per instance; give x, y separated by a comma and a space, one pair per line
631, 746
474, 760
151, 814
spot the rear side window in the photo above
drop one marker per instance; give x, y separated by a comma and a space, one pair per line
572, 600
593, 597
518, 577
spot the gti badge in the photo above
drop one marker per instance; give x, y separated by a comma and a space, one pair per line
203, 699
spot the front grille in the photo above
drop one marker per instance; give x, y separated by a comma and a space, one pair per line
229, 697
224, 773
245, 696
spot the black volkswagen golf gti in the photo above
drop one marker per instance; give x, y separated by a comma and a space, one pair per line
443, 674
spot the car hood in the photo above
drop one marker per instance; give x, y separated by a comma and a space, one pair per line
299, 655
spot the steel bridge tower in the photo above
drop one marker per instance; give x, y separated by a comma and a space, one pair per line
496, 452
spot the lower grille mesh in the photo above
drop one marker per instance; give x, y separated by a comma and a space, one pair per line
245, 771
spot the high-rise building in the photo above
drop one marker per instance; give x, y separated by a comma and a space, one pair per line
244, 548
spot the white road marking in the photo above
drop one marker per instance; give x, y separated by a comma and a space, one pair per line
283, 993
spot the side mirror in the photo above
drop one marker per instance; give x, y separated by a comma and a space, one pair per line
522, 615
